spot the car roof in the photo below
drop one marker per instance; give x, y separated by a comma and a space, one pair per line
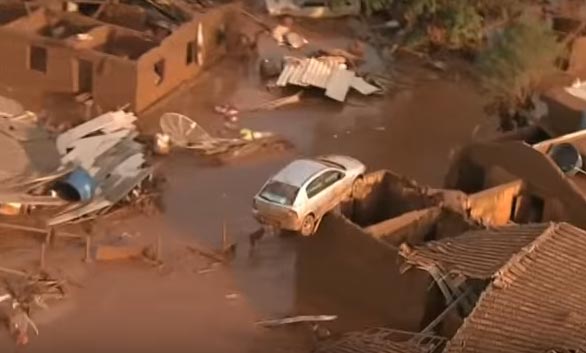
299, 171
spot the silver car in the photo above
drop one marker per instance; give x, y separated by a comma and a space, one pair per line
297, 197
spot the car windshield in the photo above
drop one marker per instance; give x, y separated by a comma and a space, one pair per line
278, 192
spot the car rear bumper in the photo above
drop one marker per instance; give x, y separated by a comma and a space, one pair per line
281, 222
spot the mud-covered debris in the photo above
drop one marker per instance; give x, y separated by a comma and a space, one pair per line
24, 295
313, 10
296, 319
186, 133
118, 252
277, 103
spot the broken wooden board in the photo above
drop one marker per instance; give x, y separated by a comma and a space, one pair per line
42, 231
339, 84
30, 200
296, 319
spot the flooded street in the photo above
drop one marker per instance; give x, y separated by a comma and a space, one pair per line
411, 131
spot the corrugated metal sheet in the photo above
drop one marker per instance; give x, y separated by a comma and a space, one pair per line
536, 300
474, 254
306, 72
325, 73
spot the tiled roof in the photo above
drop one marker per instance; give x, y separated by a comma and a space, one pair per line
536, 300
474, 254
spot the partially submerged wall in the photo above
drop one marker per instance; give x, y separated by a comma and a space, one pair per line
494, 207
345, 271
120, 66
177, 55
386, 196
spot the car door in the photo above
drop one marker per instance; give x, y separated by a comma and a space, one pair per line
322, 192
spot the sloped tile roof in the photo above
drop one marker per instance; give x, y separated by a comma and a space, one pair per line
536, 300
474, 254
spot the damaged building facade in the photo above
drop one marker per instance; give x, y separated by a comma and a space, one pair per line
502, 190
117, 54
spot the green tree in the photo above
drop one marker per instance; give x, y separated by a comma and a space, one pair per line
517, 61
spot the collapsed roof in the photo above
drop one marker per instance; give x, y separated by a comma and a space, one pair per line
533, 302
380, 340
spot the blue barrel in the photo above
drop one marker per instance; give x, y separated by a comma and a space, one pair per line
76, 186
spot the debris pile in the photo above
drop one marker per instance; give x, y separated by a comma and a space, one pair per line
327, 72
186, 133
99, 164
22, 295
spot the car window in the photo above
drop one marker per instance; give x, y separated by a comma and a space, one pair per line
322, 182
281, 193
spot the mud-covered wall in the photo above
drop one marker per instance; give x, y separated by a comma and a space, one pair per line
419, 226
113, 78
494, 206
386, 196
115, 82
342, 270
173, 52
410, 227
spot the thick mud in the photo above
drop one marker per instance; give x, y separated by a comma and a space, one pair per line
135, 308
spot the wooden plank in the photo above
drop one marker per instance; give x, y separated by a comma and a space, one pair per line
339, 84
31, 199
37, 230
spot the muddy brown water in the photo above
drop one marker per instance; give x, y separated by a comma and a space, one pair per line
124, 308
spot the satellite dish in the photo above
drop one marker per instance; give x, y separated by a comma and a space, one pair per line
567, 158
183, 131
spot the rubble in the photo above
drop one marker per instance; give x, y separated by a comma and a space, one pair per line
186, 133
100, 164
526, 266
313, 10
380, 340
25, 295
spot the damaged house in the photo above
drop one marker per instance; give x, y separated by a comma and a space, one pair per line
509, 289
357, 250
512, 181
111, 54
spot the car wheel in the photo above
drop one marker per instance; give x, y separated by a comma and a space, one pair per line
308, 225
358, 187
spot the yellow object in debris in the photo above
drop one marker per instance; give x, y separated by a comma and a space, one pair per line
247, 134
250, 135
10, 209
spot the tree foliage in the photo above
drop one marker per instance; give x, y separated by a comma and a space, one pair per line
518, 60
455, 24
